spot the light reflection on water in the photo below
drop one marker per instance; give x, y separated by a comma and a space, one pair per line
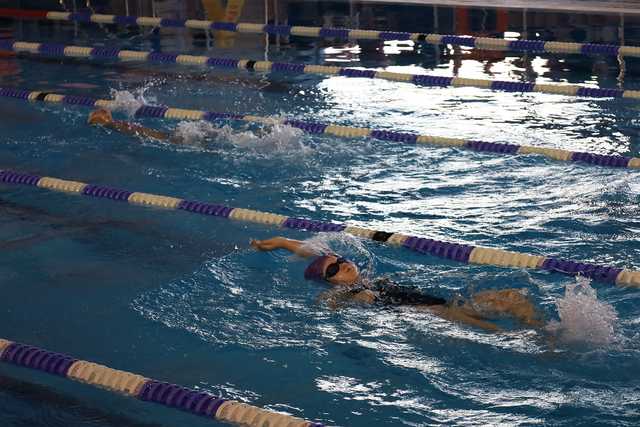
244, 322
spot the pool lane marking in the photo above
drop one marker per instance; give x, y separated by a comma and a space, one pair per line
145, 389
452, 251
423, 80
616, 161
484, 43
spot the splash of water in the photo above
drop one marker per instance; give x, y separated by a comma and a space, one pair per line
129, 102
583, 318
277, 138
196, 132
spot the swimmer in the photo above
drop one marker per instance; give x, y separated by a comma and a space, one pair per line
346, 280
102, 117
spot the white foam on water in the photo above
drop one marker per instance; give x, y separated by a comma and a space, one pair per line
190, 132
278, 138
584, 320
265, 141
129, 102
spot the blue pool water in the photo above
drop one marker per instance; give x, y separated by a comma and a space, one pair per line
184, 299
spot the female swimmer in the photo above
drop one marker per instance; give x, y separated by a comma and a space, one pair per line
345, 277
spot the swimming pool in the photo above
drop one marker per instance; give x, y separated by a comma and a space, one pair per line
185, 299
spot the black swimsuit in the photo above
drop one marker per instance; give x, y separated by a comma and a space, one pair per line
389, 293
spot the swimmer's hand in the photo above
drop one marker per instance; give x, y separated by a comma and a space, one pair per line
268, 244
100, 117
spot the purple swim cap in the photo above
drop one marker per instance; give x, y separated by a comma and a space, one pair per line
315, 270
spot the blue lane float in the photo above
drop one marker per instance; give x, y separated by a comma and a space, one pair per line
54, 49
485, 43
145, 389
458, 252
151, 111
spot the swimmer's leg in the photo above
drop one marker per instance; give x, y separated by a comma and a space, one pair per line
509, 302
459, 315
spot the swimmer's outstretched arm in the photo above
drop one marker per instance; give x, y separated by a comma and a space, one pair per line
294, 246
103, 118
137, 130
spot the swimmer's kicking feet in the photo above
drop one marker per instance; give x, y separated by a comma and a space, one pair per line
345, 277
103, 118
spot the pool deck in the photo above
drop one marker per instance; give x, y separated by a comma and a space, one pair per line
626, 7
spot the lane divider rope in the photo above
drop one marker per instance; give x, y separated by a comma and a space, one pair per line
112, 53
453, 251
145, 389
604, 160
485, 43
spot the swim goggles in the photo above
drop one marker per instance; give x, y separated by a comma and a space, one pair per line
333, 268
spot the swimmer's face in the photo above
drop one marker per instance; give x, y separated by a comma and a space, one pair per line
339, 271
